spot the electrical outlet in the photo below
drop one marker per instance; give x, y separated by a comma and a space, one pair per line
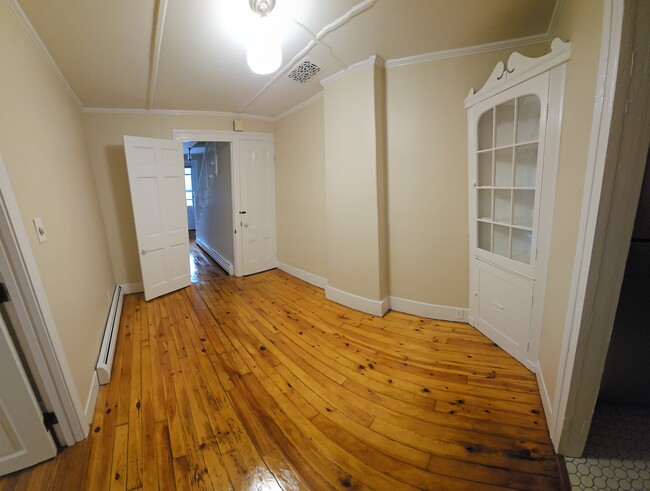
459, 314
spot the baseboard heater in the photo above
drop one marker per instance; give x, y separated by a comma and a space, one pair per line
107, 353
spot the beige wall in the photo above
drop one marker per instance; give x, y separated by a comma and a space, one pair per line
104, 133
44, 150
300, 190
351, 192
580, 22
427, 174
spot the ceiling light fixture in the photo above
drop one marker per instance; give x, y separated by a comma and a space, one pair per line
264, 53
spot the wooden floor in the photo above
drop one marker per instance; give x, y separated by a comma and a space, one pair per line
261, 384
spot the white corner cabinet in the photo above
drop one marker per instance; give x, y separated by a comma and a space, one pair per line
514, 133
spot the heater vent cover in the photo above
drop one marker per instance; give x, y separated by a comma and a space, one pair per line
304, 72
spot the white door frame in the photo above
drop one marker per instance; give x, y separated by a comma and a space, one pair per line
232, 137
615, 166
49, 365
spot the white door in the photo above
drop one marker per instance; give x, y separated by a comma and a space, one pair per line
507, 138
157, 182
257, 213
24, 440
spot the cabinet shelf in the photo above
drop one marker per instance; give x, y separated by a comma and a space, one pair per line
516, 188
505, 147
488, 221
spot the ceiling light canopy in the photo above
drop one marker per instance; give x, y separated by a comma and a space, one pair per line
264, 54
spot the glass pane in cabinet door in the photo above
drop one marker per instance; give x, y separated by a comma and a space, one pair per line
521, 240
526, 166
502, 206
484, 198
485, 236
501, 241
503, 167
485, 169
505, 123
523, 207
528, 113
485, 130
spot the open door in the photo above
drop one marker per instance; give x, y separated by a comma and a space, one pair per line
257, 216
24, 440
157, 182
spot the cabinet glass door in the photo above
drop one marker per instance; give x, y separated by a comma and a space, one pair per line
506, 171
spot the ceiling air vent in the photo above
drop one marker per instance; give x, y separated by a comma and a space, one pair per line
303, 72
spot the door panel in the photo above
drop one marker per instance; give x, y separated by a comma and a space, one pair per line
257, 180
504, 307
157, 182
24, 440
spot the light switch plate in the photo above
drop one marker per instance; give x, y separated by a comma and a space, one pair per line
41, 233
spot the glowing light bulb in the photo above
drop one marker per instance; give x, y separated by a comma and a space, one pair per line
264, 49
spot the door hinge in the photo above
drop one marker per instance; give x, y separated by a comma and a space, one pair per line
49, 420
4, 294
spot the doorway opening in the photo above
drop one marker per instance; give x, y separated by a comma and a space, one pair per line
617, 447
209, 201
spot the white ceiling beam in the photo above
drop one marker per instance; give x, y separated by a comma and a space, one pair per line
160, 14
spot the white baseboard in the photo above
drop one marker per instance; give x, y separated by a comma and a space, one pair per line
374, 307
218, 258
429, 310
310, 278
546, 403
89, 410
128, 288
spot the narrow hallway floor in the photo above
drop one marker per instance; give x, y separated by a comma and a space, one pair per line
617, 454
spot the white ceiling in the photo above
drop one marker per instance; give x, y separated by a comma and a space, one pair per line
191, 54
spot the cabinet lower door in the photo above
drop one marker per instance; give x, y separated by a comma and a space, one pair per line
501, 307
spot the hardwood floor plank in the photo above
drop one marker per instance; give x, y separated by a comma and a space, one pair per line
164, 461
134, 461
148, 421
118, 462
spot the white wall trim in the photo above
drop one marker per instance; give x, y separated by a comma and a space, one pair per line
300, 106
600, 126
373, 60
174, 112
91, 401
554, 17
218, 258
429, 310
220, 135
36, 321
310, 278
374, 307
29, 28
546, 400
469, 50
128, 288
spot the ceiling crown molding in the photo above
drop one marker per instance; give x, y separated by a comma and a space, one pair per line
46, 54
373, 60
468, 50
174, 112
